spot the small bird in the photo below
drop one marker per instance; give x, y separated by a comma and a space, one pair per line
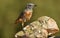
26, 14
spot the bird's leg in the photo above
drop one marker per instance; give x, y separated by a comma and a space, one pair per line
22, 24
21, 20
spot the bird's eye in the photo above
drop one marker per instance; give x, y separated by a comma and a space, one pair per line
29, 5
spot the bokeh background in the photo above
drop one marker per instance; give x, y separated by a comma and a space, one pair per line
10, 10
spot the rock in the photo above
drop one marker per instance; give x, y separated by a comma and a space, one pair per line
20, 33
41, 28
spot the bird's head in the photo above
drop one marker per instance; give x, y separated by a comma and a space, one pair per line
31, 5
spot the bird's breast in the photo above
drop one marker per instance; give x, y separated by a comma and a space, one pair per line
28, 14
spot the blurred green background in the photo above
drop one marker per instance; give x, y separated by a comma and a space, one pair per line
10, 10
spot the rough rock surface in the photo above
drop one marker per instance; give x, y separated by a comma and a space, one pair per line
38, 28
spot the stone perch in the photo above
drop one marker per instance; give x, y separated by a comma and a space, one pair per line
41, 28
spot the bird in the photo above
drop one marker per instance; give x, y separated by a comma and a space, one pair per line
26, 14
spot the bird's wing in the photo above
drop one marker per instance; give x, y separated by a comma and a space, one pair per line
21, 15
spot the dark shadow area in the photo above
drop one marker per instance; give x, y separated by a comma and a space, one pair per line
57, 37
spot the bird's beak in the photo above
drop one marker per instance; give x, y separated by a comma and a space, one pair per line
35, 5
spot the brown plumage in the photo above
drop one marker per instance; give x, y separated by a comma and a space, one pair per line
26, 14
24, 17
